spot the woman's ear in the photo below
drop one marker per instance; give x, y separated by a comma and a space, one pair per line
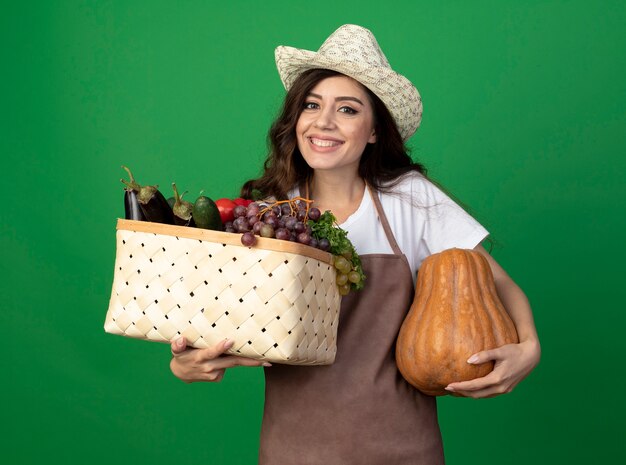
372, 139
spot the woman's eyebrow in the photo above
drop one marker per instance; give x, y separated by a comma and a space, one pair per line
338, 99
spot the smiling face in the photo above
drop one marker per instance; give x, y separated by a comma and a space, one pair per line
336, 124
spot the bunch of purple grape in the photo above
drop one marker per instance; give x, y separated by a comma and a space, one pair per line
286, 220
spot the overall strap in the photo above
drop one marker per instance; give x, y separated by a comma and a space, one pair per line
383, 220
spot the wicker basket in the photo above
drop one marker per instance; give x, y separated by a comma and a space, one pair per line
277, 301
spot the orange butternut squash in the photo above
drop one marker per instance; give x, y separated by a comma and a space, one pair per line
456, 312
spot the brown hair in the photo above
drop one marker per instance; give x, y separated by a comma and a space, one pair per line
381, 164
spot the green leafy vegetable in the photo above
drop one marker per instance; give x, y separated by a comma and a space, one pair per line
340, 246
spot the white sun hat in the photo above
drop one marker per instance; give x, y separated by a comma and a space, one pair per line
353, 50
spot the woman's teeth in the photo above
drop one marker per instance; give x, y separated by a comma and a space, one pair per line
324, 143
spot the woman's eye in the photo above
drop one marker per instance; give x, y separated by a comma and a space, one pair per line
310, 106
348, 110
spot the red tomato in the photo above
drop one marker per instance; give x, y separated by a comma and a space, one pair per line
226, 207
240, 201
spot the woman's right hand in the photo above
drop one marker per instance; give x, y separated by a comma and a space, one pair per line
191, 365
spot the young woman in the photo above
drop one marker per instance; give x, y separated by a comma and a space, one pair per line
340, 141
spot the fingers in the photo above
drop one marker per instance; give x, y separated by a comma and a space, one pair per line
494, 383
214, 370
481, 393
487, 355
213, 352
475, 385
231, 361
209, 365
214, 376
216, 354
513, 362
178, 346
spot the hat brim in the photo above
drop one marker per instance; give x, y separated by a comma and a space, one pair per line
397, 93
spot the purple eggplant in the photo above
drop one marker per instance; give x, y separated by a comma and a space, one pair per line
151, 201
182, 209
132, 210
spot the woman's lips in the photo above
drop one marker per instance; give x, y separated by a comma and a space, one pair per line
324, 143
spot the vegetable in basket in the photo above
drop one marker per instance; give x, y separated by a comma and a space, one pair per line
226, 207
182, 209
206, 214
151, 201
349, 271
132, 210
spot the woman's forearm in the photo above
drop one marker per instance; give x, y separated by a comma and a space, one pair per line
514, 300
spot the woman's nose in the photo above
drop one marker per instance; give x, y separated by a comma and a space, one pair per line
324, 119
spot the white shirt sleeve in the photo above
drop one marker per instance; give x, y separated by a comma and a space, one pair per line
425, 220
444, 223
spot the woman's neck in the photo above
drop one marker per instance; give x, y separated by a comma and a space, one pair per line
340, 194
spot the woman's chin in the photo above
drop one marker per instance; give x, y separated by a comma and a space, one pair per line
329, 163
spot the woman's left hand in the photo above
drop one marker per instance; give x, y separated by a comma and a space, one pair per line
513, 362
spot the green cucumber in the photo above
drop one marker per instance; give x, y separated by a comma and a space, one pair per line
206, 214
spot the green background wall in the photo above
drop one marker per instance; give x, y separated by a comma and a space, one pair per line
524, 122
